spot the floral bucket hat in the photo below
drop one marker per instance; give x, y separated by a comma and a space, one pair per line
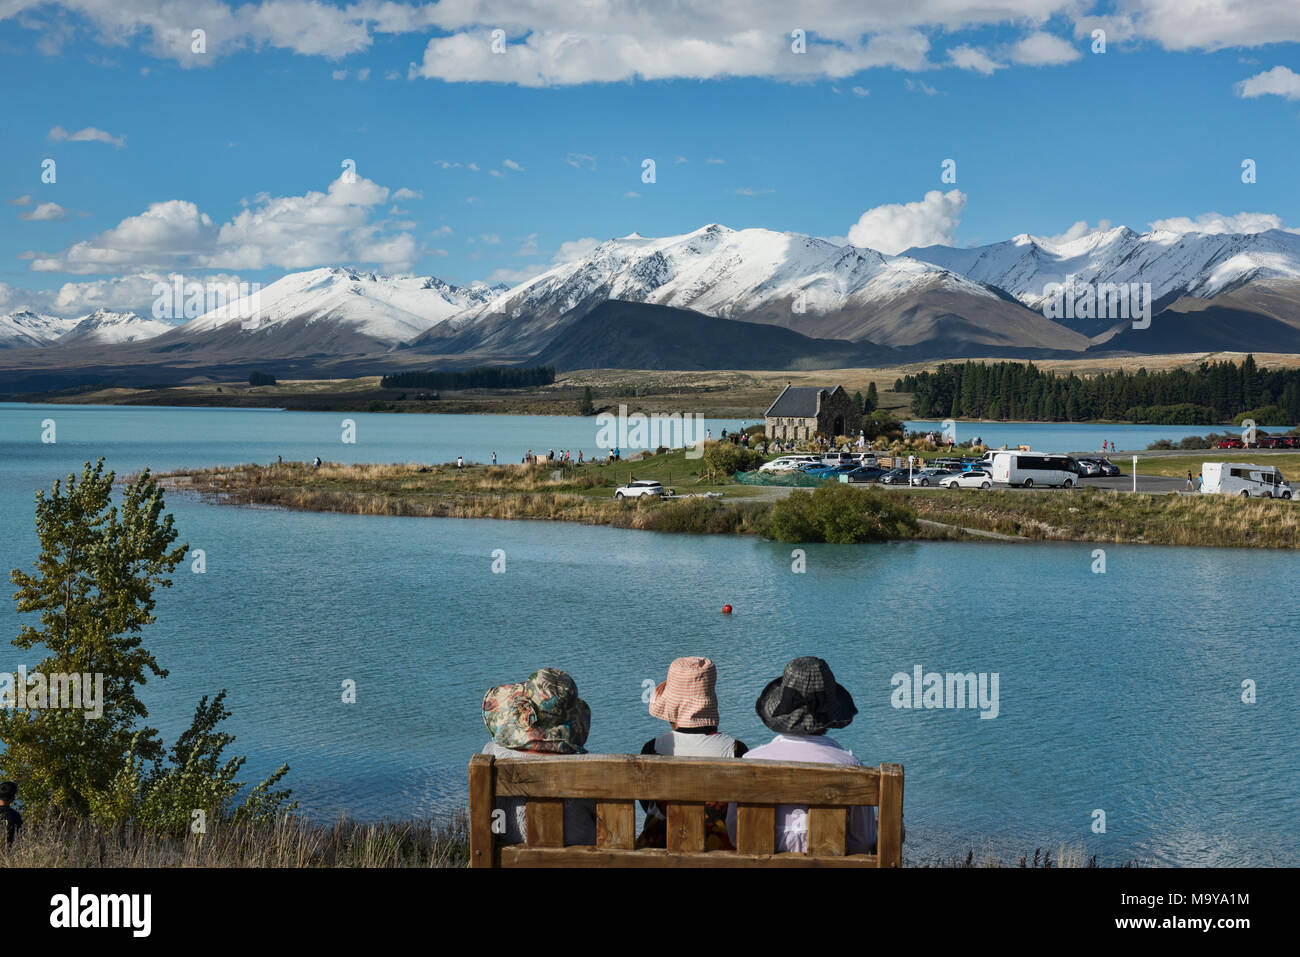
542, 714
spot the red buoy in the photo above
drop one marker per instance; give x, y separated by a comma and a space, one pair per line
726, 609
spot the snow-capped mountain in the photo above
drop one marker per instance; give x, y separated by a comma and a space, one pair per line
102, 327
388, 309
797, 281
1176, 264
31, 329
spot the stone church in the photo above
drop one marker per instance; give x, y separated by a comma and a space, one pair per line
801, 411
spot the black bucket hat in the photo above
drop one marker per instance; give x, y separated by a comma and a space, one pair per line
806, 699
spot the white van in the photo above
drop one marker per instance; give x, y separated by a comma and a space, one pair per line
1030, 469
787, 463
1244, 479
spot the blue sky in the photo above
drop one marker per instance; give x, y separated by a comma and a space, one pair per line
479, 166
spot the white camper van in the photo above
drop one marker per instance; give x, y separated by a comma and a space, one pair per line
1242, 478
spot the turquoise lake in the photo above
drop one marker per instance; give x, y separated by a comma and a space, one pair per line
1119, 692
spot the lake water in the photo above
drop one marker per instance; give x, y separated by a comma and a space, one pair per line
1118, 692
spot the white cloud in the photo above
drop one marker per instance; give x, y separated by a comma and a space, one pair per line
339, 75
575, 249
860, 91
750, 191
88, 135
1218, 223
295, 232
896, 226
580, 161
916, 86
45, 212
405, 193
715, 161
511, 164
23, 200
1043, 49
128, 293
1278, 81
1077, 231
967, 57
513, 277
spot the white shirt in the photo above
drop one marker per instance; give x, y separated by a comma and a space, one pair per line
792, 820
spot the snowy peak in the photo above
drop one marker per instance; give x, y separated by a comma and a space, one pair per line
27, 329
390, 309
1193, 264
102, 327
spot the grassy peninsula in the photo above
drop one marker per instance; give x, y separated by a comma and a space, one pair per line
833, 513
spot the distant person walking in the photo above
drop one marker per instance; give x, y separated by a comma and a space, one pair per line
316, 462
494, 458
1199, 481
13, 820
1189, 485
460, 462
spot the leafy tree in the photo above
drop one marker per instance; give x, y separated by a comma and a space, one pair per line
93, 587
873, 398
728, 459
587, 406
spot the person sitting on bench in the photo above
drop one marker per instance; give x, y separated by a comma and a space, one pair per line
542, 716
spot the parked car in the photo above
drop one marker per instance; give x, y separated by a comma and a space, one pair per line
1270, 442
930, 476
974, 478
1288, 441
640, 489
788, 463
1231, 443
864, 473
1108, 468
894, 477
1088, 467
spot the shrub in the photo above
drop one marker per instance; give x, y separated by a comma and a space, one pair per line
260, 378
840, 514
729, 459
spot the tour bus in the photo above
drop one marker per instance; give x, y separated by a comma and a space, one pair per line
1030, 469
1244, 479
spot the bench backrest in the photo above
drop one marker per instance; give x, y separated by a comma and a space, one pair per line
616, 782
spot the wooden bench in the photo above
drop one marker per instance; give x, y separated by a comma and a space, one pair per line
616, 782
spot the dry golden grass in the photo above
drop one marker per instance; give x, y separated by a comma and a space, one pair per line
291, 841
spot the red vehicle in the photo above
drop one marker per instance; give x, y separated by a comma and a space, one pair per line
1270, 442
1231, 443
1288, 441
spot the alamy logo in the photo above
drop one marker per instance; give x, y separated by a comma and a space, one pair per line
639, 431
932, 690
1107, 300
74, 909
57, 691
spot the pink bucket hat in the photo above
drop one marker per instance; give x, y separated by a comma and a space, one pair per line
687, 698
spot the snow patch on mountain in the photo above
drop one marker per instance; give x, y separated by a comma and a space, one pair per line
391, 309
102, 327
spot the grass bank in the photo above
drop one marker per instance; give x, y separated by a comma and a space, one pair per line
291, 841
838, 514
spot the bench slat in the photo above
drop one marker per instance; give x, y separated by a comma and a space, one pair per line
827, 830
755, 829
545, 820
525, 856
691, 780
616, 825
686, 827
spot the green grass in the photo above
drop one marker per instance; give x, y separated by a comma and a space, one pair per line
1177, 466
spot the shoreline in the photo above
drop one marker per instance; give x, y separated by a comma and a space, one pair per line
1085, 515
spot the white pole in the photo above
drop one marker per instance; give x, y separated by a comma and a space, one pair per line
1135, 473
